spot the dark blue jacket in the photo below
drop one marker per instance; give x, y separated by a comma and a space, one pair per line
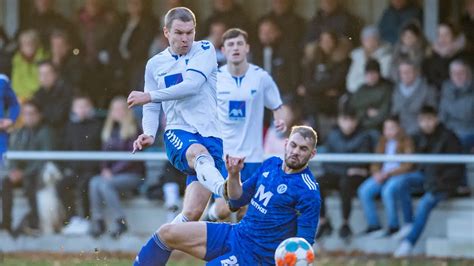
9, 108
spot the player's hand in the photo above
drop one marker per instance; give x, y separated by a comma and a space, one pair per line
280, 125
5, 123
234, 165
142, 142
138, 98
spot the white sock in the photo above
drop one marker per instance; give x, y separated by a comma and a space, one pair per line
208, 175
212, 212
171, 194
180, 218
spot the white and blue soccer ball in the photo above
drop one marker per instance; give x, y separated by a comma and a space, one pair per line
294, 251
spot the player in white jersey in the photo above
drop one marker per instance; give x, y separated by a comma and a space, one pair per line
244, 91
182, 79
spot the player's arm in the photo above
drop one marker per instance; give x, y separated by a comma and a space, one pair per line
272, 101
307, 206
239, 194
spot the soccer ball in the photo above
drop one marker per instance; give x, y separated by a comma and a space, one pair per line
294, 251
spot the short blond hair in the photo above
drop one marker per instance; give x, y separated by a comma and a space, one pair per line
306, 132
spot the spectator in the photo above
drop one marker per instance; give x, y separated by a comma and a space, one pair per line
325, 67
82, 133
291, 24
449, 45
394, 141
277, 57
54, 97
372, 48
228, 12
131, 40
457, 103
66, 60
411, 46
332, 16
9, 110
274, 140
118, 134
440, 180
5, 53
397, 14
347, 137
216, 30
24, 64
32, 136
372, 100
467, 21
410, 95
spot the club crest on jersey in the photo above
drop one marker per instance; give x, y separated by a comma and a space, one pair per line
282, 188
205, 45
236, 110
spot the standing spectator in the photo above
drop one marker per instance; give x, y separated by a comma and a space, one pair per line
54, 97
33, 136
347, 137
332, 16
65, 60
410, 95
397, 14
293, 26
25, 64
372, 101
118, 134
448, 45
394, 141
325, 67
440, 180
228, 12
216, 30
6, 53
372, 48
82, 133
9, 110
411, 46
457, 103
131, 40
277, 57
467, 21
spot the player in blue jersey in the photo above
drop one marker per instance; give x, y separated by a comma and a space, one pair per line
284, 202
182, 80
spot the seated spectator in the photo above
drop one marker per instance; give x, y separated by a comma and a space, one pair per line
274, 140
411, 46
24, 64
439, 180
347, 137
9, 111
118, 134
230, 13
291, 24
82, 133
332, 16
65, 60
129, 44
393, 141
467, 21
216, 30
372, 48
457, 103
449, 44
372, 101
325, 67
410, 95
277, 57
34, 135
54, 97
397, 14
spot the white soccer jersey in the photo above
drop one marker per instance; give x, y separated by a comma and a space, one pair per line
241, 104
195, 113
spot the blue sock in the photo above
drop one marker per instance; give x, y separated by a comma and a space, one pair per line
153, 253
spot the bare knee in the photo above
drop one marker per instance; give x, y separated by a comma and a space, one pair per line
194, 151
193, 214
166, 234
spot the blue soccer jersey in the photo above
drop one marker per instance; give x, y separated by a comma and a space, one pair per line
280, 206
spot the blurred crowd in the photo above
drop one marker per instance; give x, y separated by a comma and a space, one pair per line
380, 88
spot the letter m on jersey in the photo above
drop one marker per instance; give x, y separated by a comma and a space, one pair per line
261, 195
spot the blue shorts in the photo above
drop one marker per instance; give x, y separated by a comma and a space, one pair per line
222, 246
177, 143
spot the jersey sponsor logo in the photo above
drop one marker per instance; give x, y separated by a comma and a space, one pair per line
236, 110
282, 188
308, 180
174, 140
173, 79
265, 174
231, 261
263, 196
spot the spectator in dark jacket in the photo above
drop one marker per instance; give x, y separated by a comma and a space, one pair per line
347, 137
82, 133
457, 103
410, 95
54, 96
9, 111
229, 12
398, 13
118, 134
467, 21
372, 100
33, 136
440, 180
66, 60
